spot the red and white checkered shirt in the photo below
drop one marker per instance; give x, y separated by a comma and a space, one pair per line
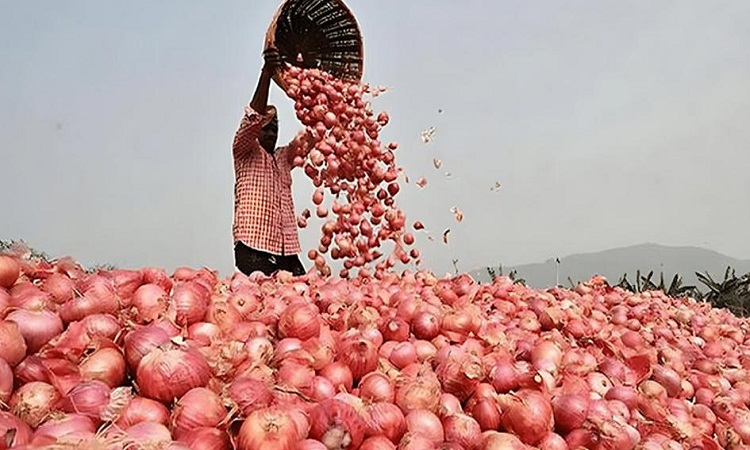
264, 216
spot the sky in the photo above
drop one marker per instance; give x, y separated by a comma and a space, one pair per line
607, 124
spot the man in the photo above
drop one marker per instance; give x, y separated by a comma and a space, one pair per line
265, 227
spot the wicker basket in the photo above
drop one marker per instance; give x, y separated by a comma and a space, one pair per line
321, 34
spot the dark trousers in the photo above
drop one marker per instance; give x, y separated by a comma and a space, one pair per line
249, 260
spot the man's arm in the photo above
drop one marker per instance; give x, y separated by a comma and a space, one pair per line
272, 62
250, 128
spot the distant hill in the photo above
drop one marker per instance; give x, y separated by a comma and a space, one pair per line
684, 261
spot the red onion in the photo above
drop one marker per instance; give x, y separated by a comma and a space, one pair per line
260, 349
377, 443
10, 270
528, 414
126, 283
425, 325
504, 377
14, 431
425, 423
141, 341
154, 275
101, 325
418, 391
502, 441
625, 394
268, 428
198, 408
294, 375
426, 351
141, 409
358, 353
547, 356
339, 375
60, 287
33, 402
12, 344
37, 327
5, 301
385, 419
190, 301
89, 398
395, 329
570, 411
322, 389
487, 414
337, 425
28, 296
449, 405
107, 365
415, 442
6, 381
150, 301
207, 438
149, 435
301, 321
553, 441
668, 378
376, 387
460, 373
403, 354
166, 375
462, 429
75, 426
310, 444
250, 395
204, 332
90, 303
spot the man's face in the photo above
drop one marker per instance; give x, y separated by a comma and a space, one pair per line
269, 135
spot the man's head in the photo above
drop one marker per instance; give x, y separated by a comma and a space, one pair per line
270, 130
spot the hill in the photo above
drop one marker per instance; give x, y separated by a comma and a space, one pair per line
615, 262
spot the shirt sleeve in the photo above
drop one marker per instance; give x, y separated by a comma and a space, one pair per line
246, 138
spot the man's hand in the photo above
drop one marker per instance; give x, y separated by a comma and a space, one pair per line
272, 60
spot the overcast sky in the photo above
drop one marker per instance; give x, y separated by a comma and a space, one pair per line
608, 123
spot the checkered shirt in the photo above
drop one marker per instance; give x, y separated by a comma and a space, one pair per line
264, 216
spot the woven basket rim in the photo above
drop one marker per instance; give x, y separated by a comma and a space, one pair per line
270, 39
